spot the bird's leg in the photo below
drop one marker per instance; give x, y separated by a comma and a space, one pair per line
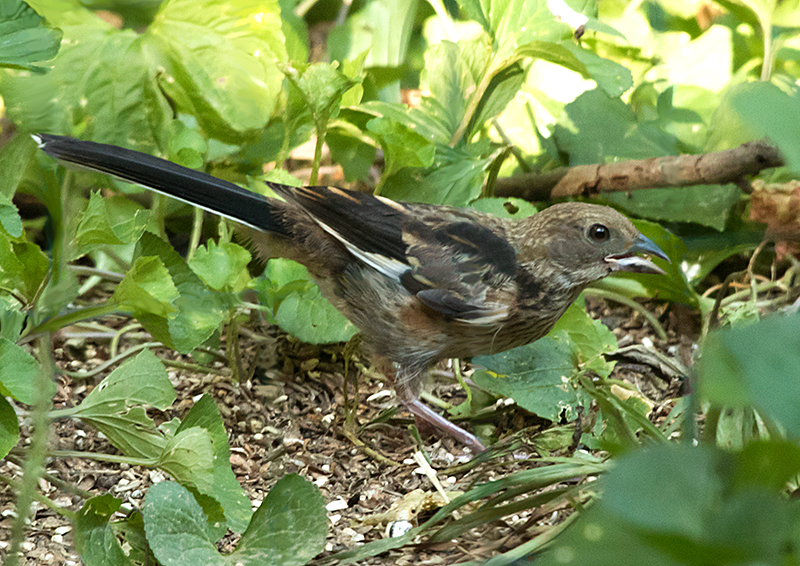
407, 388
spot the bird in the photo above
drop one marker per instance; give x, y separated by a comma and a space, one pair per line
422, 282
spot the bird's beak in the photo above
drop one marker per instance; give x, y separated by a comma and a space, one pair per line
630, 261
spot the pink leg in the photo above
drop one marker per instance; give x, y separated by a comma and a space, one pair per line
407, 387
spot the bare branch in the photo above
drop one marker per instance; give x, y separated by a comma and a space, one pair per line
728, 166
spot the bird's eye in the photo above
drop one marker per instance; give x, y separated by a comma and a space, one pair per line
599, 233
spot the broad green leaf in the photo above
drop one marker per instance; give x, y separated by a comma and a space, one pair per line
187, 146
199, 312
766, 111
25, 37
111, 221
402, 146
455, 178
413, 118
20, 376
117, 405
708, 205
12, 319
16, 159
355, 157
9, 217
312, 319
176, 527
9, 426
220, 55
189, 458
600, 129
537, 376
514, 23
748, 366
381, 28
147, 288
591, 338
222, 266
691, 517
225, 489
23, 266
505, 207
611, 77
321, 86
767, 463
289, 528
298, 306
95, 539
295, 30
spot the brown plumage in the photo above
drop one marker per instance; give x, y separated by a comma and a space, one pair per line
423, 283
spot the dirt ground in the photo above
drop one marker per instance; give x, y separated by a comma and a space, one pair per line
289, 418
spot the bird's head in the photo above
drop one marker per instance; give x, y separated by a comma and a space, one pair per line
589, 242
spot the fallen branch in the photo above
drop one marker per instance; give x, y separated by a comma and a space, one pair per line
728, 166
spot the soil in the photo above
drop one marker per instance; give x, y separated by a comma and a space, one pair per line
289, 419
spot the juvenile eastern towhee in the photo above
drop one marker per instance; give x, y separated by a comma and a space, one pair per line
422, 282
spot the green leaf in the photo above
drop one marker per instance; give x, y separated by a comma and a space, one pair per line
591, 338
9, 426
288, 529
189, 458
147, 288
198, 313
18, 161
222, 266
20, 376
766, 111
708, 205
600, 129
298, 306
176, 527
225, 487
24, 266
321, 86
220, 55
749, 367
516, 23
25, 37
381, 28
312, 319
355, 157
9, 217
402, 146
111, 221
117, 405
691, 517
537, 376
95, 539
186, 144
510, 207
454, 179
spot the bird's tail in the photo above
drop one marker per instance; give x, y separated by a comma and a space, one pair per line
162, 176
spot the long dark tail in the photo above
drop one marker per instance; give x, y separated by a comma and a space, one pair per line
194, 187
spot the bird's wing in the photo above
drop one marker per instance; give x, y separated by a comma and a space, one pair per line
446, 257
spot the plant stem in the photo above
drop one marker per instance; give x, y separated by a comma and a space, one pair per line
34, 464
321, 129
61, 321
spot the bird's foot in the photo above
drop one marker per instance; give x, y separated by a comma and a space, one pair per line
424, 413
